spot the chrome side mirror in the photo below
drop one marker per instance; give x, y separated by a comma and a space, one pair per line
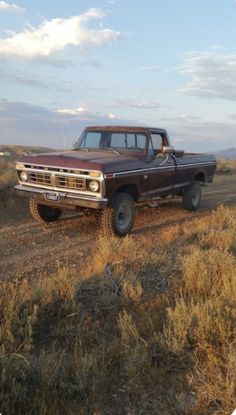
168, 149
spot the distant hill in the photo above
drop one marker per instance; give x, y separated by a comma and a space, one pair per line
13, 152
228, 154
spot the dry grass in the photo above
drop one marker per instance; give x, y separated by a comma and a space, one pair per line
226, 167
146, 327
7, 175
10, 204
201, 325
113, 342
7, 164
214, 231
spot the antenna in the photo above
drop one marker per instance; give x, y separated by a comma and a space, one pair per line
62, 134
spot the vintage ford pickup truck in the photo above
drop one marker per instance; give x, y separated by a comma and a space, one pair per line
112, 169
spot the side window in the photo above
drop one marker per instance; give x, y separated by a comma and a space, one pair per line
141, 141
156, 143
136, 141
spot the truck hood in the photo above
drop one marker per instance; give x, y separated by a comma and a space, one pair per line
104, 161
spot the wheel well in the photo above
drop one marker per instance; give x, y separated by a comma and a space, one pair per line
200, 177
131, 189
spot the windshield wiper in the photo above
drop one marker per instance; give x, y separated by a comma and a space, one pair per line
98, 149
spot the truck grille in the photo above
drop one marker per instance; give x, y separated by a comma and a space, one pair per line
60, 181
39, 178
70, 182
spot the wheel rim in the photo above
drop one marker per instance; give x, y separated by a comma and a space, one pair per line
123, 216
196, 197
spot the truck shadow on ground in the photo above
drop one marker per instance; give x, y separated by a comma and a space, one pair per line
155, 227
171, 213
168, 213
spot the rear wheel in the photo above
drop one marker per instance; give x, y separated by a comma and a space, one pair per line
118, 217
43, 213
192, 196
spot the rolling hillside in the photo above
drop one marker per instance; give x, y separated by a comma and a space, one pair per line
228, 154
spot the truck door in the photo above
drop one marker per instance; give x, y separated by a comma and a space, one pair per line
162, 167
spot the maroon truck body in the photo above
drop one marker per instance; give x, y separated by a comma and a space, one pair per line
107, 161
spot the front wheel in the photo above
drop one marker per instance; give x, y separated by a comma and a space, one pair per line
118, 217
43, 213
192, 196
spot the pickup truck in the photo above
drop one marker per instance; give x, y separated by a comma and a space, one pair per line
112, 169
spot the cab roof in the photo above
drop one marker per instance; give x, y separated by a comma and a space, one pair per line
125, 128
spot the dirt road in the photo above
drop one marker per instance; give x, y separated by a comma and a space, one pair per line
27, 248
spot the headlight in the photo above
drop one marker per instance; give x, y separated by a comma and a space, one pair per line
23, 176
93, 186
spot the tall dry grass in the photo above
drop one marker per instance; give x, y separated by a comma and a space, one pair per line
11, 206
146, 327
226, 167
7, 175
201, 324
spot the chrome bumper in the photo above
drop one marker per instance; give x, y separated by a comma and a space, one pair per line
65, 199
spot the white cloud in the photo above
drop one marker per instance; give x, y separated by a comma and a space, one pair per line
55, 35
213, 75
10, 7
136, 103
83, 112
76, 111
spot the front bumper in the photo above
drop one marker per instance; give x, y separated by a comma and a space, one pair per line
68, 200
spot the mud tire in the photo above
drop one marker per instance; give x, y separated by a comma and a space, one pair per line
118, 216
192, 196
43, 213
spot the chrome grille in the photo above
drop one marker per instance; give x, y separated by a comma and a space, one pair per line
39, 178
56, 180
70, 182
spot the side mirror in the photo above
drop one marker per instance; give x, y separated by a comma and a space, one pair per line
75, 143
168, 149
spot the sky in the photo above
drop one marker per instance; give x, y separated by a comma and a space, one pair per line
161, 63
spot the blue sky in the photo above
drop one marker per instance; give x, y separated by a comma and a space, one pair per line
164, 63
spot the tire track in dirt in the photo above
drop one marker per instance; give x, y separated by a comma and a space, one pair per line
28, 248
34, 249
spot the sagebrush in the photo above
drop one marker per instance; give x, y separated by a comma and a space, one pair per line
144, 327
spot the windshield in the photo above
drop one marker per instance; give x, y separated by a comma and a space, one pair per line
112, 140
